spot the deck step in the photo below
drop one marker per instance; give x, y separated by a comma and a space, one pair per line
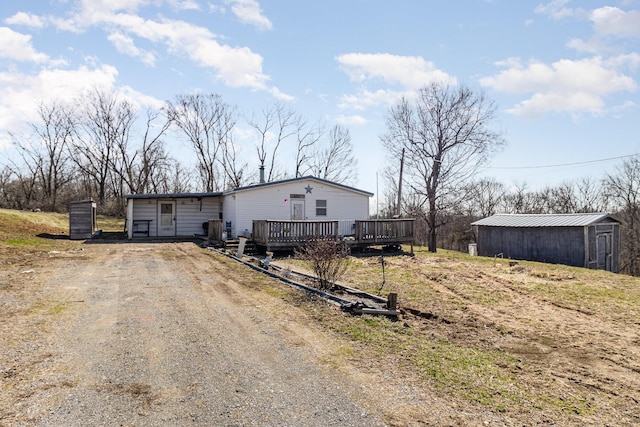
249, 246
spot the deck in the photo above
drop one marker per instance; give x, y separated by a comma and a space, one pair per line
286, 235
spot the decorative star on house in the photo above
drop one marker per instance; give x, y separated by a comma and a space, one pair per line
309, 188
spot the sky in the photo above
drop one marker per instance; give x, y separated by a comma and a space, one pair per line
563, 74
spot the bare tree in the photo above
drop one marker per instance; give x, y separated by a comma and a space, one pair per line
388, 206
445, 132
519, 200
26, 171
306, 137
276, 125
106, 122
564, 199
6, 182
136, 166
207, 122
54, 132
44, 167
590, 196
484, 197
174, 178
234, 169
624, 190
335, 161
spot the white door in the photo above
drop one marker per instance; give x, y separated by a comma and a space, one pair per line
297, 209
166, 218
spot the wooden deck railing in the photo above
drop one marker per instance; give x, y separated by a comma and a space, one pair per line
287, 234
384, 231
276, 233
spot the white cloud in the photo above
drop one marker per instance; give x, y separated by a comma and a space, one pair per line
25, 19
366, 99
103, 6
214, 8
249, 12
409, 71
557, 9
185, 4
542, 103
616, 22
575, 86
593, 46
352, 120
17, 46
22, 93
235, 66
124, 44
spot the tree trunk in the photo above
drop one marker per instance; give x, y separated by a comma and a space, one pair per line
431, 222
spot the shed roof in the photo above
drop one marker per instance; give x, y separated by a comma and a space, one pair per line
171, 195
286, 181
545, 220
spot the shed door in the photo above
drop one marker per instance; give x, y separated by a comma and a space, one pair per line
297, 209
166, 218
604, 251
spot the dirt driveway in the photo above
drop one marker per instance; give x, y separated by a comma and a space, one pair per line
159, 334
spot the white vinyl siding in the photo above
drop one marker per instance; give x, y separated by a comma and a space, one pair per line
190, 214
273, 202
146, 210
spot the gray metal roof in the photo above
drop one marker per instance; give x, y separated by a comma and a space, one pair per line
285, 181
171, 195
545, 220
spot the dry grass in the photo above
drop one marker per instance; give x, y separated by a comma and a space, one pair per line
30, 234
556, 342
531, 344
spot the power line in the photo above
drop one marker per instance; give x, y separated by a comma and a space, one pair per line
562, 164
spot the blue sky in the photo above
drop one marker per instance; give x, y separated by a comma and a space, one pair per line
563, 73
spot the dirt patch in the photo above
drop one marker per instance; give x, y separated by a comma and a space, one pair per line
160, 334
478, 343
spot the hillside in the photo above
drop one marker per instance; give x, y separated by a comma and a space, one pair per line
25, 234
537, 343
479, 339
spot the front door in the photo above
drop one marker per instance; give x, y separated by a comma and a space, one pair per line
297, 209
166, 218
604, 252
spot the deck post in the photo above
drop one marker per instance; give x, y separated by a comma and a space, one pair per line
392, 301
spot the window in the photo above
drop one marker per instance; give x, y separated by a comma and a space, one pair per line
321, 208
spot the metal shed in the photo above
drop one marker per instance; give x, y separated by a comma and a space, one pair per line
590, 240
82, 219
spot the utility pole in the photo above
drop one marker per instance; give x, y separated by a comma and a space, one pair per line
398, 207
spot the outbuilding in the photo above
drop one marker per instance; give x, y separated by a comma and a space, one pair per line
171, 215
590, 240
82, 219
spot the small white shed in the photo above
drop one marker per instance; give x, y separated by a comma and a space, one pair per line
171, 215
305, 198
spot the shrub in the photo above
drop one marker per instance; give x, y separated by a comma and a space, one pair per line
327, 258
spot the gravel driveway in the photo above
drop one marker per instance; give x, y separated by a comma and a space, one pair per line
159, 334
